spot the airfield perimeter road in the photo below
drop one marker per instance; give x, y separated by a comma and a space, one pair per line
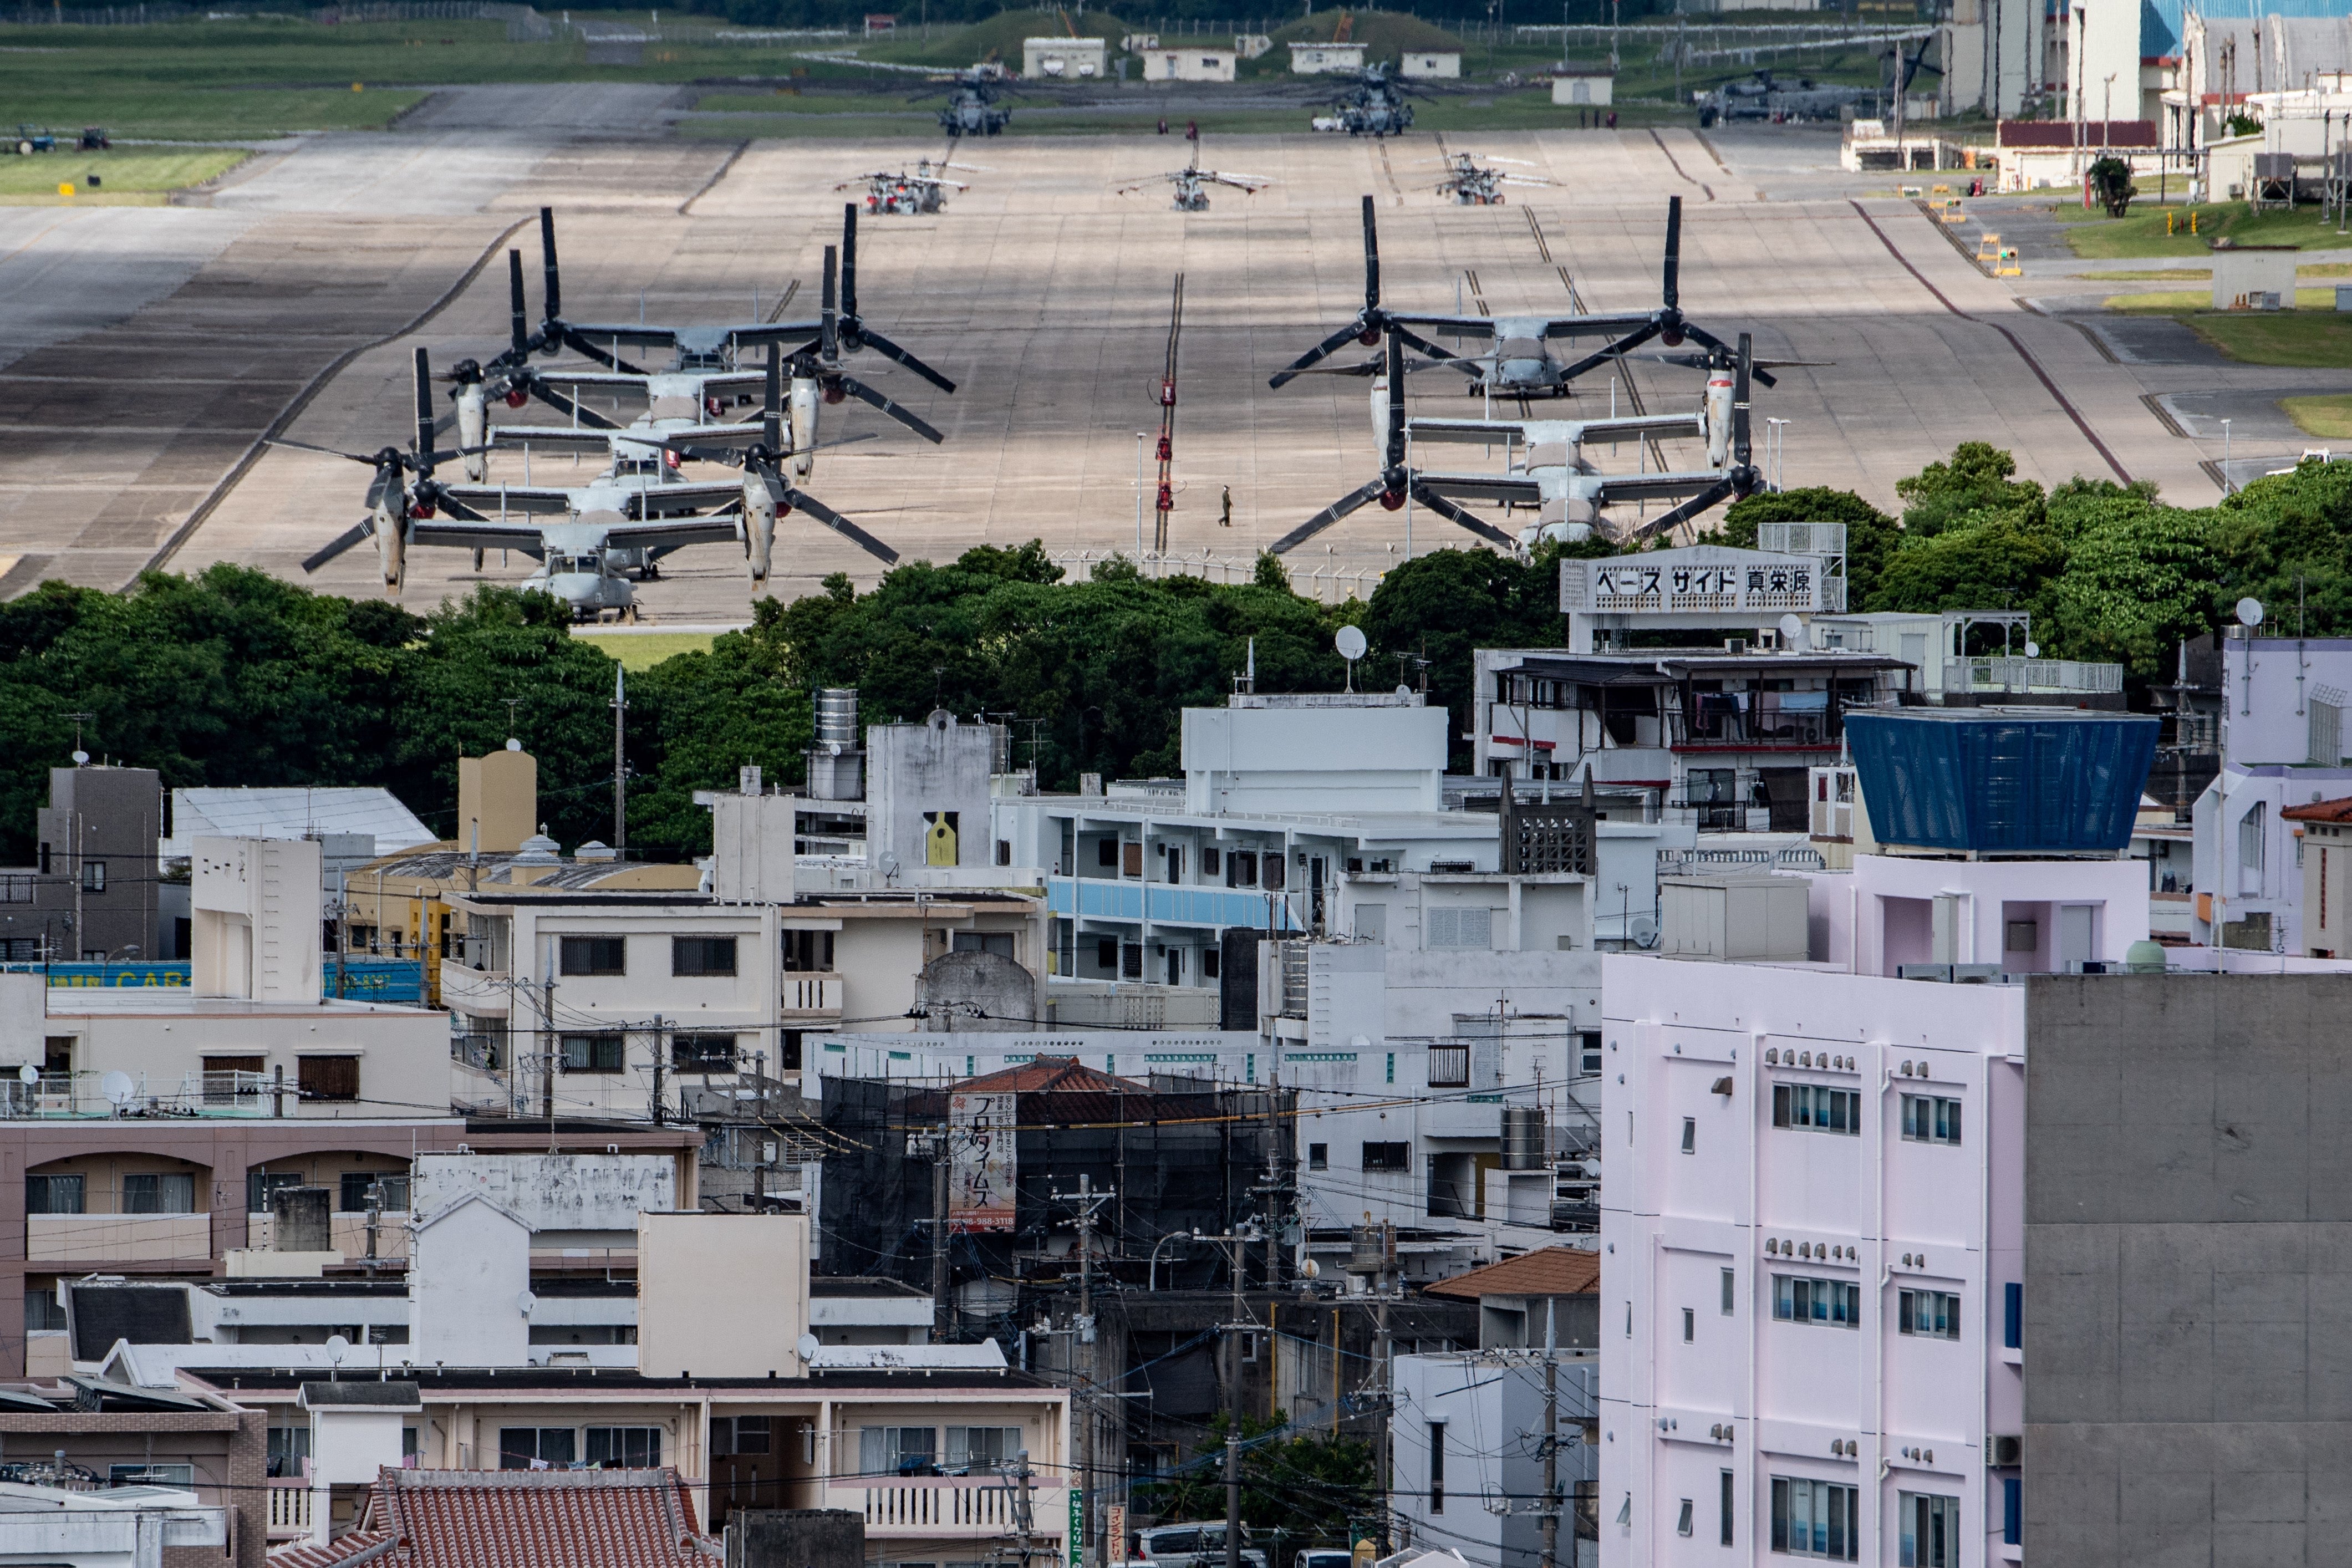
151, 354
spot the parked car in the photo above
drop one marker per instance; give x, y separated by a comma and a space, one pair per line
1325, 1557
1190, 1546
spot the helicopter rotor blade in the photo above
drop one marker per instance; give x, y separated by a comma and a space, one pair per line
771, 404
829, 328
803, 501
363, 529
849, 261
1688, 510
1327, 347
551, 290
1673, 293
423, 450
1700, 335
1623, 345
323, 451
519, 323
1361, 496
865, 393
1453, 514
889, 350
1371, 261
1740, 390
1396, 400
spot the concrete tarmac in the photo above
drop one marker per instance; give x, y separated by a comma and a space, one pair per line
1045, 294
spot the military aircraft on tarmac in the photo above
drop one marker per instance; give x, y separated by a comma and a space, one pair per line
1374, 106
973, 108
1473, 185
901, 193
1554, 475
637, 509
1192, 180
1521, 364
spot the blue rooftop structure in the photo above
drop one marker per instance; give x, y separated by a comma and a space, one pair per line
1991, 781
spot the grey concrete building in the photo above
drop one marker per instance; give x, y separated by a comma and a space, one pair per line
92, 890
2188, 1299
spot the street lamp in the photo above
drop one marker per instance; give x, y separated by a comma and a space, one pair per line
2229, 486
1776, 446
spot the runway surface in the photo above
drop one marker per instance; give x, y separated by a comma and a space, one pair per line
150, 349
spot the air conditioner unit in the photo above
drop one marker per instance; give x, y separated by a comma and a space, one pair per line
2001, 1451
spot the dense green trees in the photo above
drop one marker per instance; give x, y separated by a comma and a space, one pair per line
233, 678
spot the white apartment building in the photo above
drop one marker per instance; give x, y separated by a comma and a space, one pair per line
1467, 1452
2283, 743
1812, 1236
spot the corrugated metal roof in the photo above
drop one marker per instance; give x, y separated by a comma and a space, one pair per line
293, 813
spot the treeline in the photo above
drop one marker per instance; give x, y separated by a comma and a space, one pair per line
234, 678
842, 14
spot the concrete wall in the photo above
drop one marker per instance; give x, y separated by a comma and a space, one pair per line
1300, 755
723, 1295
2188, 1246
926, 800
469, 1281
498, 801
256, 907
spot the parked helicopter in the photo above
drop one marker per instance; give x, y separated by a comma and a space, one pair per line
1191, 182
973, 108
1555, 476
1375, 106
1472, 184
902, 194
1521, 364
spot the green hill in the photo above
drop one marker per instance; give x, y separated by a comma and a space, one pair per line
1384, 34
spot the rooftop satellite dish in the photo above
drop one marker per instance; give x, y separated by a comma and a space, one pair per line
2250, 613
808, 1345
28, 1073
80, 757
513, 744
1351, 645
2033, 650
1792, 632
117, 1089
525, 1301
338, 1347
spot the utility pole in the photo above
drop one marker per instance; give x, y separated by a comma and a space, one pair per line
1382, 1403
620, 765
1234, 1414
661, 1112
1552, 1435
549, 1050
1082, 1365
942, 1313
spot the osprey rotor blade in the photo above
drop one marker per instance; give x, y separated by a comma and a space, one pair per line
1371, 261
540, 387
849, 261
1688, 510
1396, 400
423, 452
1672, 292
1455, 514
889, 350
1361, 496
1700, 335
323, 451
828, 324
1600, 356
581, 344
771, 404
1740, 391
866, 395
551, 302
519, 323
363, 529
1423, 346
1328, 346
803, 501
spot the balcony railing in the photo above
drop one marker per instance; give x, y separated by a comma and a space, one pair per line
190, 1094
812, 993
2000, 674
290, 1508
939, 1504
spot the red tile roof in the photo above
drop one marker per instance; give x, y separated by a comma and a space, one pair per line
1550, 1271
1050, 1075
518, 1519
2320, 811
